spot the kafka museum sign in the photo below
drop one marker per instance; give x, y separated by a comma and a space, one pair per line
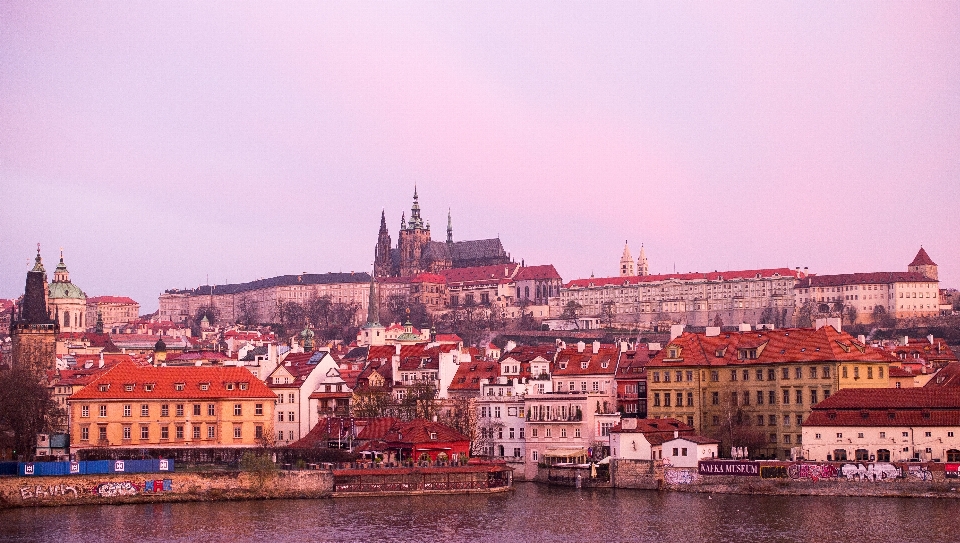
720, 467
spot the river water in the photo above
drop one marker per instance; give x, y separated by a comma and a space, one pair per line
530, 513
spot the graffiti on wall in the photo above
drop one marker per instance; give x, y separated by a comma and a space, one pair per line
109, 490
679, 477
773, 472
920, 472
39, 492
813, 472
879, 471
159, 485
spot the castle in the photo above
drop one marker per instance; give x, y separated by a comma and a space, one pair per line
417, 253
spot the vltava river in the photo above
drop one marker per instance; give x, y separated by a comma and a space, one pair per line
530, 513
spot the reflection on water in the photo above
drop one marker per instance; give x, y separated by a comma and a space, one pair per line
531, 513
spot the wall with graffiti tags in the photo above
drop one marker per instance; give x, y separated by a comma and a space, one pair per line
127, 488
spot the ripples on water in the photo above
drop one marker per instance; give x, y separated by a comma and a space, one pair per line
531, 513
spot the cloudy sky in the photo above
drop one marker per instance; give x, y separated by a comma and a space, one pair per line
160, 143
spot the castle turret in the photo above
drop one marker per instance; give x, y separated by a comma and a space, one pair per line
33, 334
642, 267
922, 263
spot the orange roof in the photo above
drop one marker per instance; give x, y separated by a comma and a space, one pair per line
468, 376
481, 274
114, 383
111, 300
771, 346
922, 259
529, 273
570, 362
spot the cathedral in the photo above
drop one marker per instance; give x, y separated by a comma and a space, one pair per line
416, 252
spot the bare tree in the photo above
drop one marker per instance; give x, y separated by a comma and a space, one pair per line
26, 409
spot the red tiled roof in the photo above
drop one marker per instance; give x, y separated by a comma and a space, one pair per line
429, 278
922, 259
900, 372
197, 355
891, 398
570, 362
650, 427
448, 337
537, 272
697, 276
468, 376
164, 379
419, 430
377, 428
526, 353
773, 346
948, 376
111, 300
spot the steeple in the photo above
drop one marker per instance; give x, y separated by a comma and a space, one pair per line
626, 262
403, 221
643, 268
415, 221
33, 308
38, 264
61, 275
383, 222
373, 309
449, 227
99, 326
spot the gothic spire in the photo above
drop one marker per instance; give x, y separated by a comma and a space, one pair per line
415, 220
449, 227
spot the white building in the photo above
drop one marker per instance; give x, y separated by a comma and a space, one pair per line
686, 451
885, 425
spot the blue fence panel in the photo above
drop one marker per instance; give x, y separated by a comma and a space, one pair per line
8, 468
36, 469
95, 466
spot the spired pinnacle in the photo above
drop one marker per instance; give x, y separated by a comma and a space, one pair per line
449, 227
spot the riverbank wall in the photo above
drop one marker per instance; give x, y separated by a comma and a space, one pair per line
926, 480
162, 487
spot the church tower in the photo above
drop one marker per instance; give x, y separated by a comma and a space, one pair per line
67, 304
626, 262
33, 333
382, 263
372, 333
922, 263
642, 267
414, 238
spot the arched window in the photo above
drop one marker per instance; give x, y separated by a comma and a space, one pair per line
66, 318
953, 455
883, 455
862, 454
839, 455
526, 292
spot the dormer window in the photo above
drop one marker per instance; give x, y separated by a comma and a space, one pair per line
148, 387
243, 386
605, 364
433, 435
104, 387
584, 364
204, 386
128, 387
228, 386
748, 354
179, 386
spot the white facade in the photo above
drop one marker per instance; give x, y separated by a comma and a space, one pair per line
681, 452
881, 443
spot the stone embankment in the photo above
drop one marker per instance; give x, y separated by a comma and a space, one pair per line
162, 487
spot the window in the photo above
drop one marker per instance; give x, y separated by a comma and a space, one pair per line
534, 432
772, 420
825, 372
280, 416
856, 372
716, 420
196, 410
772, 397
165, 410
496, 412
799, 420
771, 374
927, 434
280, 435
179, 432
535, 456
733, 375
773, 438
164, 432
85, 433
785, 373
666, 399
126, 432
511, 433
759, 397
843, 372
689, 375
126, 410
656, 377
883, 455
211, 410
237, 410
786, 420
906, 434
786, 439
746, 375
689, 399
547, 433
179, 409
522, 432
204, 386
196, 432
734, 396
798, 397
816, 436
715, 398
679, 399
869, 372
656, 399
257, 410
145, 410
85, 411
714, 375
291, 398
179, 386
144, 432
563, 432
258, 432
212, 432
102, 433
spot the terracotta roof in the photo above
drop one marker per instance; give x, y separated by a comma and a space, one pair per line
481, 274
419, 430
900, 372
570, 362
468, 376
112, 384
537, 272
699, 440
697, 276
196, 355
526, 353
771, 346
922, 259
448, 337
111, 300
948, 376
429, 278
872, 278
656, 431
891, 398
377, 428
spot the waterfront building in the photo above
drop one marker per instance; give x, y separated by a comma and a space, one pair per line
688, 451
758, 384
115, 311
146, 406
695, 299
583, 369
501, 422
641, 439
529, 363
293, 381
631, 379
885, 425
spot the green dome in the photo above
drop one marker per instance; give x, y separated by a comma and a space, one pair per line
66, 290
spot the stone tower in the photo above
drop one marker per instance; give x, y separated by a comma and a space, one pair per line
373, 333
33, 334
382, 264
923, 264
414, 238
642, 267
626, 262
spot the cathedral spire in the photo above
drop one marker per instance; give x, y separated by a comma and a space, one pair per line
415, 221
626, 262
449, 227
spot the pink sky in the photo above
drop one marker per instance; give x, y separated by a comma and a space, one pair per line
158, 143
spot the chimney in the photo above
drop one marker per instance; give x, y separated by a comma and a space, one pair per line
713, 331
676, 331
676, 434
744, 327
580, 346
906, 341
397, 346
511, 345
862, 339
930, 338
596, 347
100, 365
624, 346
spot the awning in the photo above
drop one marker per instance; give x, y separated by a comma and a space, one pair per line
604, 461
565, 453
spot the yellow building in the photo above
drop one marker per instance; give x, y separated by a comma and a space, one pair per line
145, 406
755, 388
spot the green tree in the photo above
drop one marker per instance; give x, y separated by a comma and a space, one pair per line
571, 312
